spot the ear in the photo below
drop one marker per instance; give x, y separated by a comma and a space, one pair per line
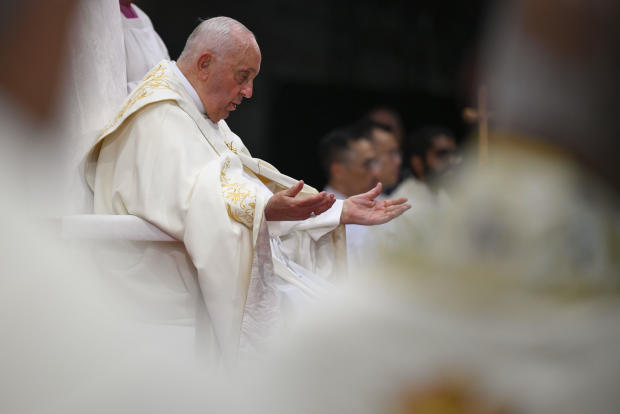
203, 65
417, 166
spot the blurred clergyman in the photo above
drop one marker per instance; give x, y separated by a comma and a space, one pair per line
387, 148
143, 46
349, 162
389, 117
430, 154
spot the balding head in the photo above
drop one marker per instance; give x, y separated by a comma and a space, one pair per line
218, 35
221, 59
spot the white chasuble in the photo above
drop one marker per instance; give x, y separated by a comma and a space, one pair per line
161, 159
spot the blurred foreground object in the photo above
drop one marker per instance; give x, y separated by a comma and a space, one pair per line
66, 348
556, 78
511, 303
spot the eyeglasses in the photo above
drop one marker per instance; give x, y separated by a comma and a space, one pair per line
371, 164
444, 153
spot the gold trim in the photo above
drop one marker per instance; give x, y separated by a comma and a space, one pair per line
232, 147
240, 201
155, 79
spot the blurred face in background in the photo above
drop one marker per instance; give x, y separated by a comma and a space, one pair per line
358, 173
389, 156
441, 156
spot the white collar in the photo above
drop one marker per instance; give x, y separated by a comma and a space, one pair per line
188, 87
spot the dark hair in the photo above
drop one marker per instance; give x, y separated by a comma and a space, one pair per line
365, 126
335, 146
419, 142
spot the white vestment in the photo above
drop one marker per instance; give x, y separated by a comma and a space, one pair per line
359, 240
143, 47
161, 159
426, 207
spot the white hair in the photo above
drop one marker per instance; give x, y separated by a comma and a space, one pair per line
218, 35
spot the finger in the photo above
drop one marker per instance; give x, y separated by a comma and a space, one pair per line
324, 206
398, 206
311, 201
396, 201
294, 190
395, 211
391, 213
362, 201
373, 193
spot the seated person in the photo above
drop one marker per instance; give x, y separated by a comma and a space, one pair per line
254, 248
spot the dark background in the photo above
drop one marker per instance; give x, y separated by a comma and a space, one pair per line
326, 63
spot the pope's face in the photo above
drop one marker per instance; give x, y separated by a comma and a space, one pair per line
230, 79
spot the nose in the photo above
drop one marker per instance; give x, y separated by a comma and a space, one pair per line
246, 91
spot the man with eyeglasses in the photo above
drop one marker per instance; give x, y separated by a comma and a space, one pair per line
430, 154
349, 162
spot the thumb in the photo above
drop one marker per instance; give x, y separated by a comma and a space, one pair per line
294, 190
373, 193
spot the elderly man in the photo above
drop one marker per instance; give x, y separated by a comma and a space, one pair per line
257, 241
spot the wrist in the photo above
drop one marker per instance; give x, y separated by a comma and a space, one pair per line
344, 216
268, 210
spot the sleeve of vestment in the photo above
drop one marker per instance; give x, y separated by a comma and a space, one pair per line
316, 226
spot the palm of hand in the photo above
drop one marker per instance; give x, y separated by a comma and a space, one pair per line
365, 209
284, 206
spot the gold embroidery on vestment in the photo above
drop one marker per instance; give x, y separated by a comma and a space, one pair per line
155, 79
240, 201
232, 147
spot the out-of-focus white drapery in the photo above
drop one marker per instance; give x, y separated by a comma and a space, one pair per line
95, 86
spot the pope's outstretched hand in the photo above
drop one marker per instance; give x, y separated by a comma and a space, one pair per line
358, 209
284, 206
364, 209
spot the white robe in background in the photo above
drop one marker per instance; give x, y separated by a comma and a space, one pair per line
143, 47
427, 206
359, 240
161, 159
